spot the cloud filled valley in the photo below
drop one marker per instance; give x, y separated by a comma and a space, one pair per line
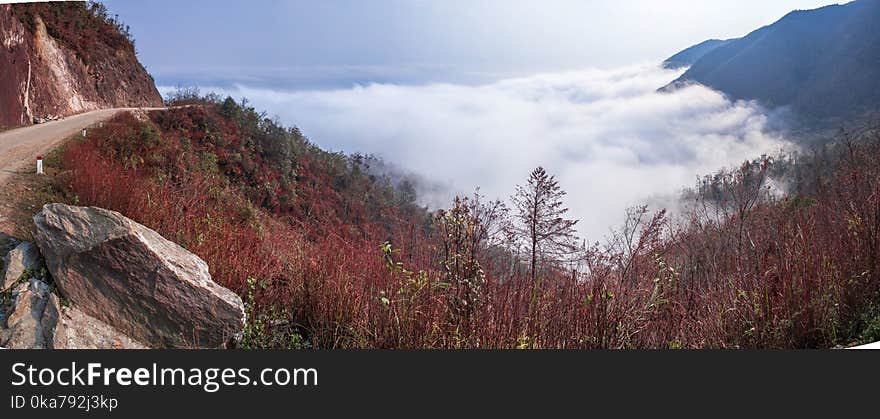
610, 138
306, 179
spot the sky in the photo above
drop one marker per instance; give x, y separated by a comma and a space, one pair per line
467, 94
298, 44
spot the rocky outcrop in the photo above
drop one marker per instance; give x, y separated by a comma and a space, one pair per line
128, 276
64, 58
23, 257
28, 326
37, 320
124, 287
7, 243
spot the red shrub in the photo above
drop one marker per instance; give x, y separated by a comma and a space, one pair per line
305, 250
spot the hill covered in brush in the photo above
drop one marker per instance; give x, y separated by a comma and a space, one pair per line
824, 64
329, 253
64, 58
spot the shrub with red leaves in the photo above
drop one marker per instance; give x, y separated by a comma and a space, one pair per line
78, 25
327, 254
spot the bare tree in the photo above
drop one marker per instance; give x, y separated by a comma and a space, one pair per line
539, 221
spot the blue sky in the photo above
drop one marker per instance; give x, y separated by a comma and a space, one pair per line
297, 44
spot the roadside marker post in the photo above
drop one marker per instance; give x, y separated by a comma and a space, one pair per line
39, 165
84, 133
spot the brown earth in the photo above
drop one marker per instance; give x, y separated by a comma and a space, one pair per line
44, 76
20, 199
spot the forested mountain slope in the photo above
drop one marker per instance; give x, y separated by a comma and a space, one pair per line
823, 63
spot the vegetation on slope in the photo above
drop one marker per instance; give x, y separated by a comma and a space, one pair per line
64, 58
78, 25
692, 54
330, 254
821, 63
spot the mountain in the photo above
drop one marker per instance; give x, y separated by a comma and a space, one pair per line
690, 55
324, 250
65, 58
824, 63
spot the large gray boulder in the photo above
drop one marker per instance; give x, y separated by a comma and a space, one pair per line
126, 275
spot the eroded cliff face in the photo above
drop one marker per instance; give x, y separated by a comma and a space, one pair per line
43, 75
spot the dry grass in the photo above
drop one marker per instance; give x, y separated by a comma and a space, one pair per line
795, 273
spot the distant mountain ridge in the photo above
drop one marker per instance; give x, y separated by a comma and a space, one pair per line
692, 54
824, 64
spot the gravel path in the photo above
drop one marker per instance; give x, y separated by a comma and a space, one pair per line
20, 147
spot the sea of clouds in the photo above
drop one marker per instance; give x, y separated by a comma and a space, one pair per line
609, 137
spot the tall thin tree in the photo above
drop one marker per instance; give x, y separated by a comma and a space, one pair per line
539, 221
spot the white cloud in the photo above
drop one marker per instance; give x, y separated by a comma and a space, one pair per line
609, 137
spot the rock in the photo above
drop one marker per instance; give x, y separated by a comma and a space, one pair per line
25, 256
49, 320
128, 276
77, 330
45, 77
28, 327
7, 243
38, 321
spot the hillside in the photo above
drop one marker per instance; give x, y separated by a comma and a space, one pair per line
295, 230
324, 250
823, 63
689, 56
327, 253
67, 58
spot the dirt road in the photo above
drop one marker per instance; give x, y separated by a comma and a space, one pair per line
20, 147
